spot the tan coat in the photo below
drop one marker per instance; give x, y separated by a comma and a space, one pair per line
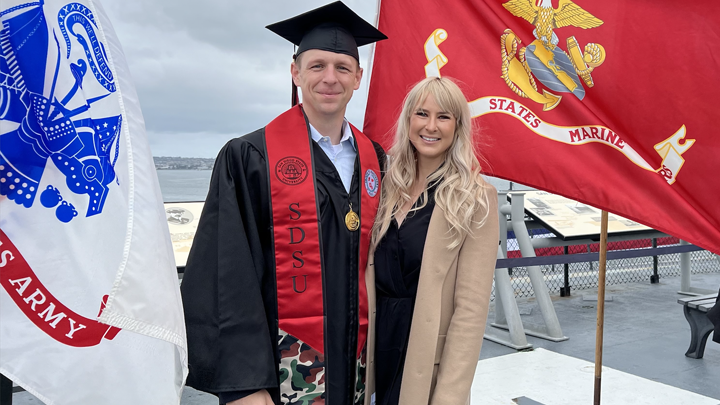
450, 313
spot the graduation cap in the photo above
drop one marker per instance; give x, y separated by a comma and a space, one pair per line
333, 28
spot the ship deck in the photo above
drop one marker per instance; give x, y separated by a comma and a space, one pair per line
646, 336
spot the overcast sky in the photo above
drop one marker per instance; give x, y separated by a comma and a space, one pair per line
209, 71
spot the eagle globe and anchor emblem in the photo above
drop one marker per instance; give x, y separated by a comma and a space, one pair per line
561, 72
48, 108
543, 59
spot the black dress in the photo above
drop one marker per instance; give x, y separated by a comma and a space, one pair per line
398, 257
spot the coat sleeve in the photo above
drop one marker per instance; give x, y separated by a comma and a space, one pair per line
476, 267
229, 340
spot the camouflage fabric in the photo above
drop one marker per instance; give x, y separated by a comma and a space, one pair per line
302, 372
360, 378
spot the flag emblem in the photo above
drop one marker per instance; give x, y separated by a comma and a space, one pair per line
371, 182
559, 71
291, 170
543, 59
84, 148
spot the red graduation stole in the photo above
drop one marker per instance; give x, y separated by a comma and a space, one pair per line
298, 262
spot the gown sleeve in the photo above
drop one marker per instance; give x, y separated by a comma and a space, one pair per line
229, 340
381, 156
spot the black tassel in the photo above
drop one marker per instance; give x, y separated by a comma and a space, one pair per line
294, 94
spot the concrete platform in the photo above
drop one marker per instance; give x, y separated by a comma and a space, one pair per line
646, 336
549, 378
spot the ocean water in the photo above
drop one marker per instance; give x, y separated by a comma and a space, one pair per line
192, 185
184, 185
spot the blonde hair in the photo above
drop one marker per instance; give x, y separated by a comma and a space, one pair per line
461, 189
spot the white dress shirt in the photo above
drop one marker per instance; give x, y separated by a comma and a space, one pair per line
342, 155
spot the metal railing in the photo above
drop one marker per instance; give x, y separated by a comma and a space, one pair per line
651, 263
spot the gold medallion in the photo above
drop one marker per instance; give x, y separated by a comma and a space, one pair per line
352, 220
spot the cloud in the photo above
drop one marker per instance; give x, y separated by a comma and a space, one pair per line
206, 72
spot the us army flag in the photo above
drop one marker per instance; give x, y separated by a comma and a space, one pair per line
90, 304
609, 103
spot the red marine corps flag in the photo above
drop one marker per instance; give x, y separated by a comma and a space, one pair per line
609, 103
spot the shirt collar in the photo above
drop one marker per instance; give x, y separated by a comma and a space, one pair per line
347, 134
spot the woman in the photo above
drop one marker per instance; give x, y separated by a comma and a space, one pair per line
435, 243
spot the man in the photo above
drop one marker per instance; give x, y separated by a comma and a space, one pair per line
274, 295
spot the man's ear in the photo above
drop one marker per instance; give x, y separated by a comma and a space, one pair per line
295, 72
358, 78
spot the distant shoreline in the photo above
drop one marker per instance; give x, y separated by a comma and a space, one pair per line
182, 163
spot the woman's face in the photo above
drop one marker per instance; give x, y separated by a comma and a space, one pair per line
431, 130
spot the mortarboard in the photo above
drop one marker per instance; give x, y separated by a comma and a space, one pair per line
333, 27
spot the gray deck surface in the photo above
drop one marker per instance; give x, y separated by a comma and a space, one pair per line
646, 335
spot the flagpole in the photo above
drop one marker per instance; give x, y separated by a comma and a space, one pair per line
600, 306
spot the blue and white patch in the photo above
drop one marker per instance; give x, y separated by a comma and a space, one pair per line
372, 182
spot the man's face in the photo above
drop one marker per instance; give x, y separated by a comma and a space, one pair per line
327, 80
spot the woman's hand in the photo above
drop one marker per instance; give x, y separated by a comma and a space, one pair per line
259, 398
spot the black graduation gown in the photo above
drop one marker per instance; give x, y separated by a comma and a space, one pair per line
228, 289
